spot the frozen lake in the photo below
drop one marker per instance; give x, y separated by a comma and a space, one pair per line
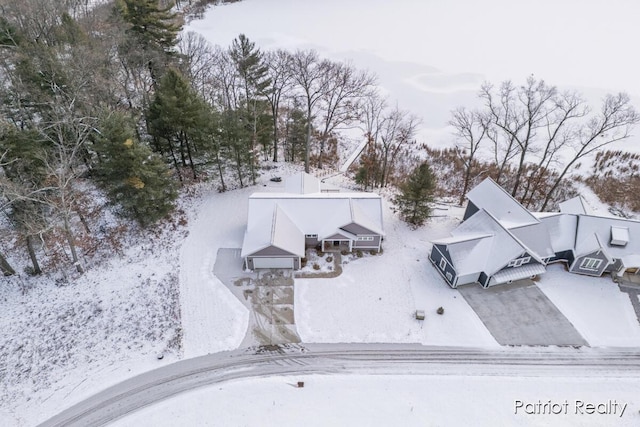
431, 56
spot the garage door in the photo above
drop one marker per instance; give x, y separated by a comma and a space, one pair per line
272, 262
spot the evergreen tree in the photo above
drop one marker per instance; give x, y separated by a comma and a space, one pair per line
416, 194
25, 186
178, 117
135, 178
154, 28
253, 73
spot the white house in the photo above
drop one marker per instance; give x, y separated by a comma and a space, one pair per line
281, 225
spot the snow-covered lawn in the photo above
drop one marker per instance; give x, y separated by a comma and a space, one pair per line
596, 307
212, 318
375, 297
396, 400
60, 342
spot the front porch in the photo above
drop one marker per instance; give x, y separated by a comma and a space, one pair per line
337, 245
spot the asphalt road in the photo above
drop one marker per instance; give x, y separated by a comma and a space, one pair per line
391, 359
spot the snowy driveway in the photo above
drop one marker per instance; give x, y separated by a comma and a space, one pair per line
268, 294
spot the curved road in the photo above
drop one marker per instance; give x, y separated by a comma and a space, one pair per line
392, 359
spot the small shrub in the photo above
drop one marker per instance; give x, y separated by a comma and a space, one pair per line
373, 252
320, 253
344, 252
440, 310
329, 259
359, 253
316, 266
303, 262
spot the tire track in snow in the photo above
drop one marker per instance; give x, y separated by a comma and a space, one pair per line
380, 359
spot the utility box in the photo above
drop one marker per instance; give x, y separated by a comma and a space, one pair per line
419, 314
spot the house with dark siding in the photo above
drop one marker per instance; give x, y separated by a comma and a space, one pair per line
500, 241
280, 226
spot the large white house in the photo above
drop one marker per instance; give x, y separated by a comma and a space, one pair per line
500, 241
281, 225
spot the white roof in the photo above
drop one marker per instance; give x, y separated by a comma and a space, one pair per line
594, 232
535, 237
313, 213
273, 229
619, 235
494, 199
518, 273
469, 255
561, 228
302, 183
631, 261
489, 254
576, 206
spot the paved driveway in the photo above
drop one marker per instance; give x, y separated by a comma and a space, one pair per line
267, 293
521, 314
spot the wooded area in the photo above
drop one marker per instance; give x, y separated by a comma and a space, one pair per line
115, 100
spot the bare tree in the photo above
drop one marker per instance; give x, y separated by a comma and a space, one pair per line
68, 135
613, 123
198, 55
308, 72
279, 63
340, 101
517, 115
471, 128
397, 132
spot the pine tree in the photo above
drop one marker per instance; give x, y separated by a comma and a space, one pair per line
25, 187
253, 72
135, 178
416, 194
154, 28
178, 116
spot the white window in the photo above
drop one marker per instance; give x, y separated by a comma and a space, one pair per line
449, 276
590, 263
518, 262
311, 236
365, 238
443, 264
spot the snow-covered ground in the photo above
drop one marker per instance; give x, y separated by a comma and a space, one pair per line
596, 307
376, 297
63, 341
430, 57
373, 300
397, 400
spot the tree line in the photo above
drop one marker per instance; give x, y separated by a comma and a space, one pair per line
116, 99
116, 96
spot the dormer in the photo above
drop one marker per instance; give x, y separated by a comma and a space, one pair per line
619, 236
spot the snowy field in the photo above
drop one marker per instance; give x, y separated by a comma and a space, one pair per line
396, 400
